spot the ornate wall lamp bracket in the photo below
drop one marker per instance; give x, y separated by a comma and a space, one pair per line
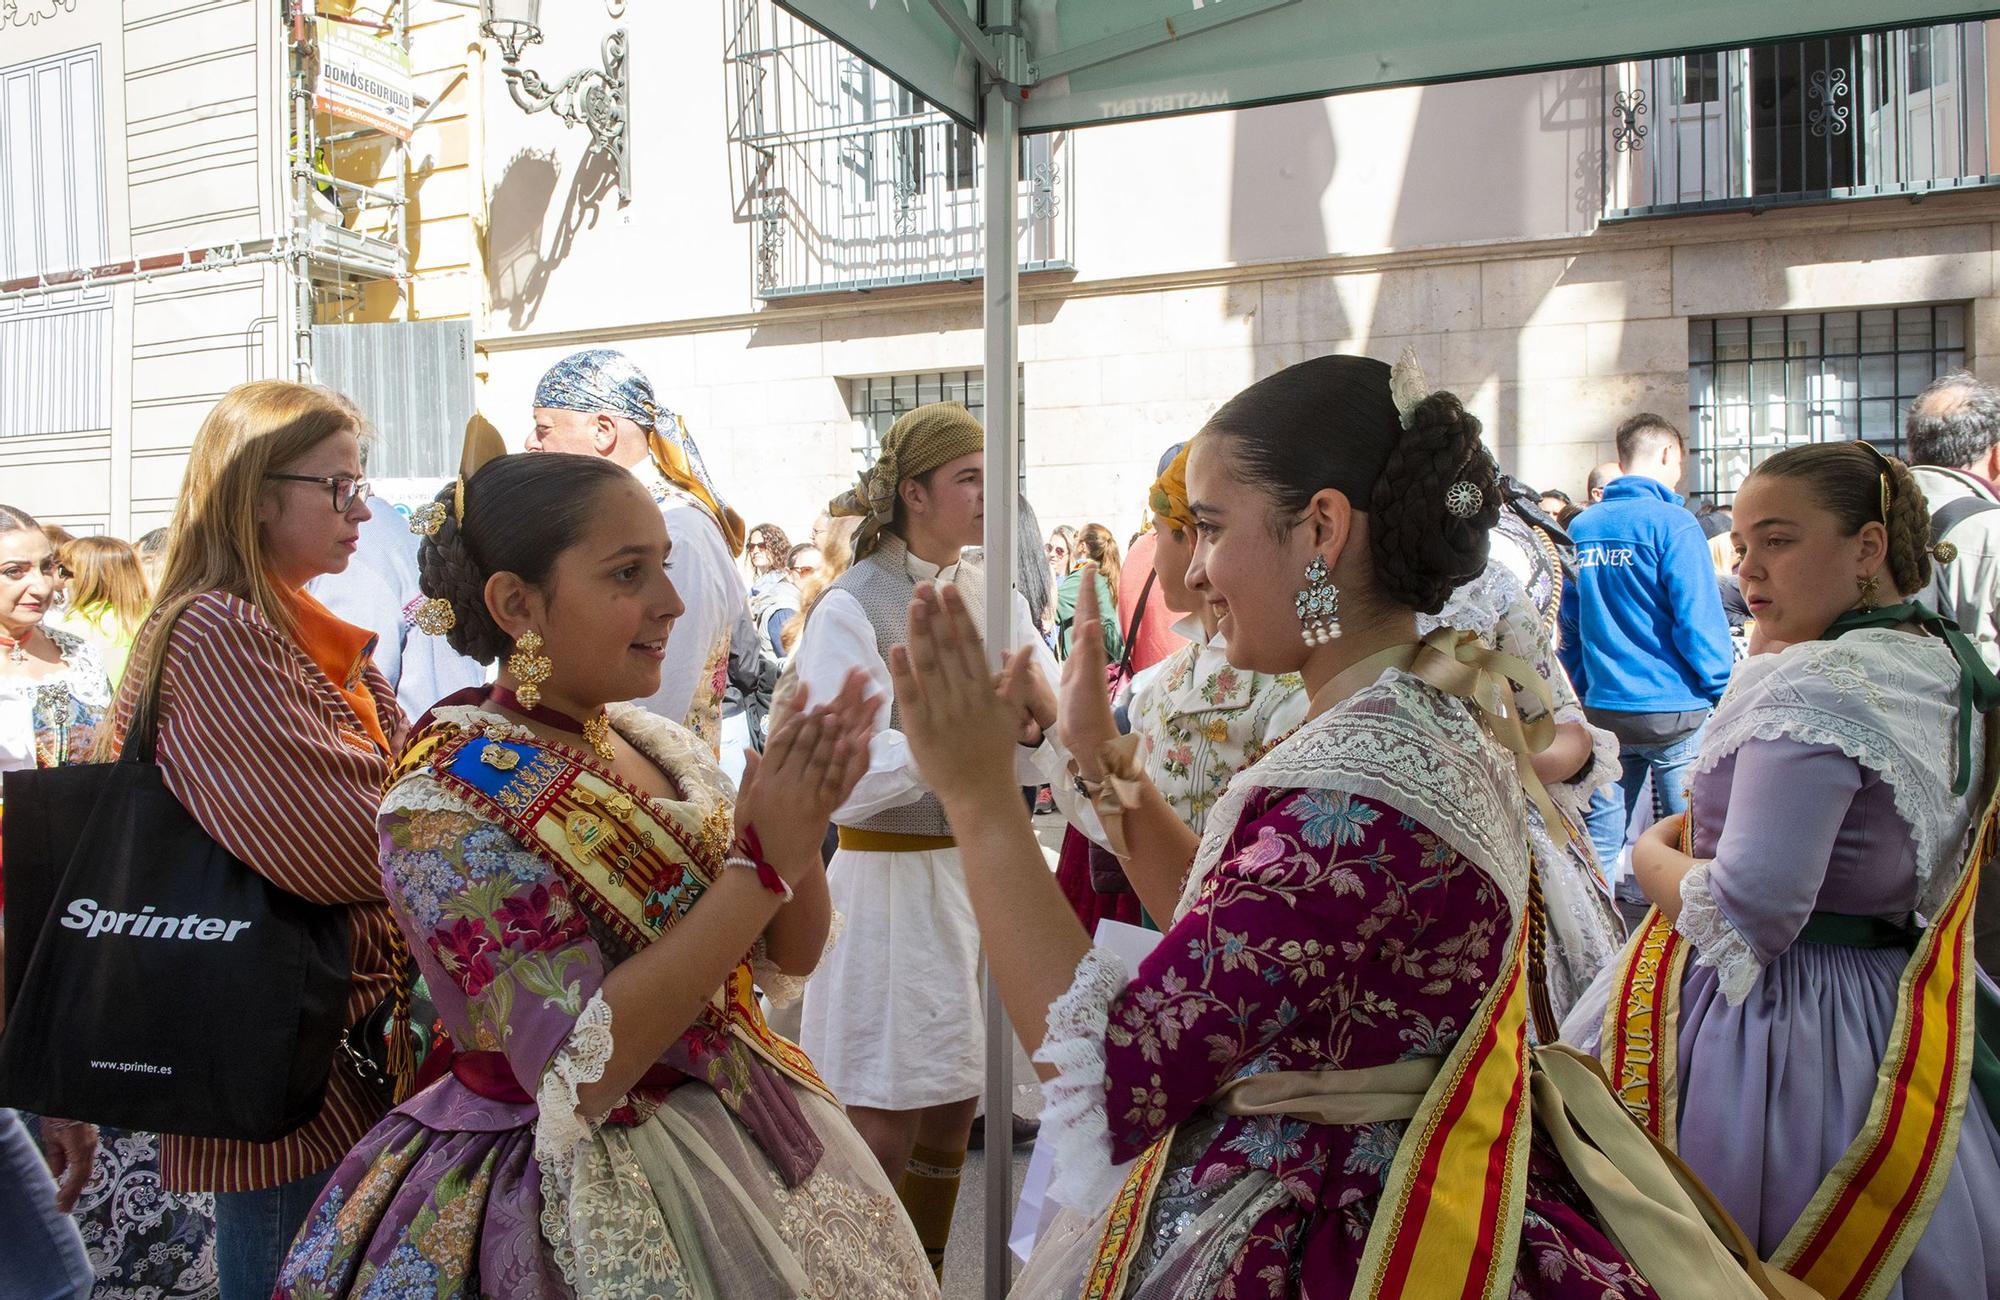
591, 97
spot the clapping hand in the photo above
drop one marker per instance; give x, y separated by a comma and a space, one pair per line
809, 767
1022, 685
961, 729
1084, 706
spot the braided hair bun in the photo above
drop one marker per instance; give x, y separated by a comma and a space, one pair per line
1332, 422
1909, 530
1423, 548
521, 512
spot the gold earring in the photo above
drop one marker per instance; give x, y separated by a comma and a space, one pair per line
1868, 587
530, 667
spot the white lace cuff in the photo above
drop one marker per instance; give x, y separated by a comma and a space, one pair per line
780, 989
1074, 1121
1603, 767
562, 1127
1717, 944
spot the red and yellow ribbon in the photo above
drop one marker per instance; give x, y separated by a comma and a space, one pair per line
1872, 1207
1866, 1217
1641, 1025
1449, 1221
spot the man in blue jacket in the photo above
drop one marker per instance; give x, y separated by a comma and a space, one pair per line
1643, 633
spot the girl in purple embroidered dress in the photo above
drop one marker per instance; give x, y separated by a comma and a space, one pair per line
1351, 902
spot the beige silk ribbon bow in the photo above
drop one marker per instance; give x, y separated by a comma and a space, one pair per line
1458, 663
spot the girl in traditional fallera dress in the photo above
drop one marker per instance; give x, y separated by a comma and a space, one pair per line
1781, 1017
591, 905
1317, 1084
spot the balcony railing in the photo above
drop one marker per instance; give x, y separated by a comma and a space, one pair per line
1846, 117
846, 180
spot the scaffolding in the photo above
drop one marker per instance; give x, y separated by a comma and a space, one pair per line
345, 233
846, 180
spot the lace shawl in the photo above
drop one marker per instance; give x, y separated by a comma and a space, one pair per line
1398, 741
1884, 698
1411, 747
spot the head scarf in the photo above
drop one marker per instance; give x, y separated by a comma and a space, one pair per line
1170, 498
917, 443
606, 381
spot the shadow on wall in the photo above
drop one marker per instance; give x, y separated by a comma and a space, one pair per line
518, 270
1572, 107
1281, 166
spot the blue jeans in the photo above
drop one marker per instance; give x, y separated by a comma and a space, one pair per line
253, 1230
1611, 808
41, 1252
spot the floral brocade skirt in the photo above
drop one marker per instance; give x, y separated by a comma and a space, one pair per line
683, 1204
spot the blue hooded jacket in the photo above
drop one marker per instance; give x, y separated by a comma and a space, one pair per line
1642, 626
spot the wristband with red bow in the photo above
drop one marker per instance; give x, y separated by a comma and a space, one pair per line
748, 851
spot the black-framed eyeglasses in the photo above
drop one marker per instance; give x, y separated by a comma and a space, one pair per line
345, 487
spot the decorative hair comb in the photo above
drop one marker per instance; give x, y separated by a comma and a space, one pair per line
1407, 386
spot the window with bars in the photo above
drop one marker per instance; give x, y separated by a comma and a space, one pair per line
1760, 384
877, 403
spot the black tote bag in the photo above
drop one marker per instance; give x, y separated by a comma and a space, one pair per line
154, 981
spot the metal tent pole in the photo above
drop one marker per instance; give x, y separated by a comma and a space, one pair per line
1002, 142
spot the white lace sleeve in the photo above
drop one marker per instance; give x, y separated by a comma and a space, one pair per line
1717, 944
562, 1126
780, 989
1074, 1121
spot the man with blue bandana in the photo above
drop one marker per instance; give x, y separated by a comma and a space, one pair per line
599, 403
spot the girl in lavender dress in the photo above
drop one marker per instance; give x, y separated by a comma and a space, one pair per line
1797, 1014
591, 904
1317, 1084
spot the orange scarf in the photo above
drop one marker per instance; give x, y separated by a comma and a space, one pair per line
342, 651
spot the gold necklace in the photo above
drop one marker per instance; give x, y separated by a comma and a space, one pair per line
597, 730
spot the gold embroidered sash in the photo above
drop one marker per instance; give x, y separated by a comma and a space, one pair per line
636, 864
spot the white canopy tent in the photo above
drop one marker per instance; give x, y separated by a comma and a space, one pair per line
1008, 67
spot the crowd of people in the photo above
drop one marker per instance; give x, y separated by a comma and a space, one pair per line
1538, 896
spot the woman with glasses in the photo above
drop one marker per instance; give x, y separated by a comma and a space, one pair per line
767, 549
276, 731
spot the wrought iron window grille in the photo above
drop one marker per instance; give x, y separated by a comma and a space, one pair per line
846, 180
1893, 112
1760, 384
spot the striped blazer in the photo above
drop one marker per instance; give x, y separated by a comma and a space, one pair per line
273, 763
